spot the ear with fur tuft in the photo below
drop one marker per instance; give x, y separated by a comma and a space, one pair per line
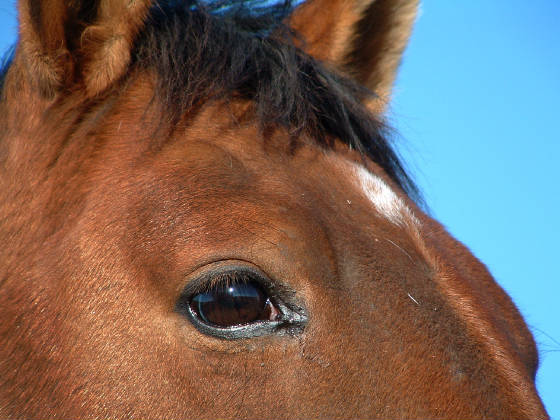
363, 38
83, 41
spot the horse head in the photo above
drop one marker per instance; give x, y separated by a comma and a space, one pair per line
202, 216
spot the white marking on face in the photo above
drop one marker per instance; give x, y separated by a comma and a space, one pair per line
386, 202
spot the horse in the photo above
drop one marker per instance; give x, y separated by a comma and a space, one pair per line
203, 216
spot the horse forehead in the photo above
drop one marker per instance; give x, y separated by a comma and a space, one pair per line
336, 167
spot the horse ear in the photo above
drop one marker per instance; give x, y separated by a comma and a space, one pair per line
63, 42
363, 38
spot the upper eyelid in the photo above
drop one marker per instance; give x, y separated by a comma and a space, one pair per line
224, 275
225, 279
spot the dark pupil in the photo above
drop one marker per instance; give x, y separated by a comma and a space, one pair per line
232, 304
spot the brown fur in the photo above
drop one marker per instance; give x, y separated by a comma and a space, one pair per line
104, 219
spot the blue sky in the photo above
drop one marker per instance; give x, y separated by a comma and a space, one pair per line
476, 107
477, 112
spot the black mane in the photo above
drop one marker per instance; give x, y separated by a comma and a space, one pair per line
240, 48
215, 49
5, 62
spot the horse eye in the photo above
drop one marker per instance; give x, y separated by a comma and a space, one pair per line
229, 305
239, 302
